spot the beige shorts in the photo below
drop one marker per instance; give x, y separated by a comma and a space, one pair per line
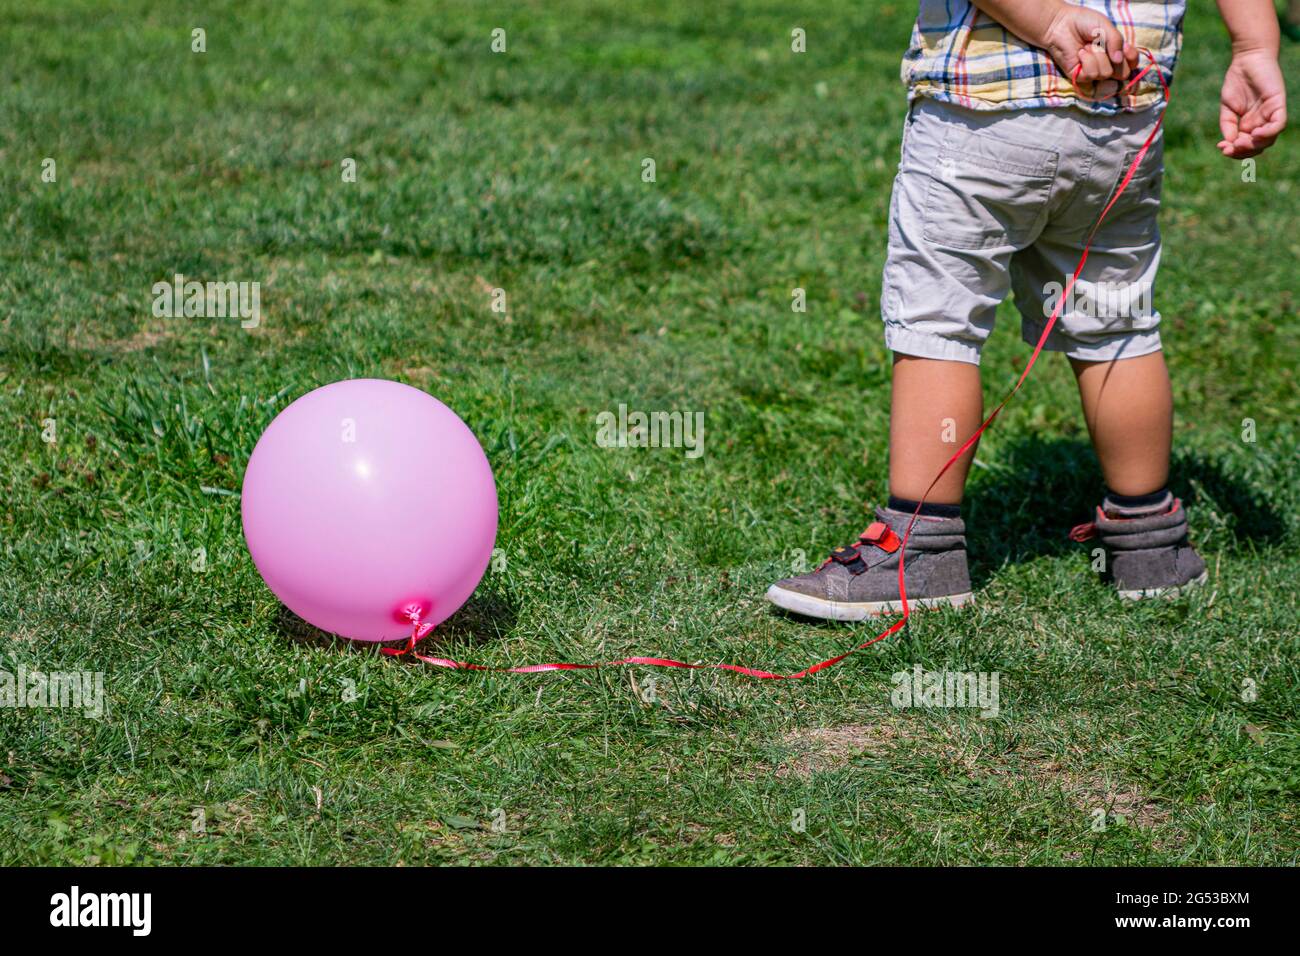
999, 201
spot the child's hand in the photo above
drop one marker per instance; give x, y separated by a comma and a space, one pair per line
1252, 108
1086, 39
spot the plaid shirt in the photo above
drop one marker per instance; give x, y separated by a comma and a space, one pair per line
962, 55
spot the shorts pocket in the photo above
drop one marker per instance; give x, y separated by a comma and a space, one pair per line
987, 191
1132, 220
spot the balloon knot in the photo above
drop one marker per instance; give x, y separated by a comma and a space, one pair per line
419, 630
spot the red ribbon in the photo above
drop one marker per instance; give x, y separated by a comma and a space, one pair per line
420, 630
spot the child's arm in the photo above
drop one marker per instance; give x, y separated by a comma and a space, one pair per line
1252, 107
1072, 35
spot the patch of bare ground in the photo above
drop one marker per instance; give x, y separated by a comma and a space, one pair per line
1088, 790
84, 338
826, 748
821, 749
1119, 800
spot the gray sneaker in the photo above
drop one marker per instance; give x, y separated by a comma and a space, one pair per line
861, 580
1148, 551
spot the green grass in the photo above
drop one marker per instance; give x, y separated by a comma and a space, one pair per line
522, 171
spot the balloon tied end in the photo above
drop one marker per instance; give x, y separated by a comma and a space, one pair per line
414, 613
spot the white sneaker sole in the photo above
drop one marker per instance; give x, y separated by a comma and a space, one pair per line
1142, 594
824, 610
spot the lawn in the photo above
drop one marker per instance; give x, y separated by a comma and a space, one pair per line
234, 734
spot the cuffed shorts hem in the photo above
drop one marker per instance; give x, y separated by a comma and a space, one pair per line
1121, 345
926, 345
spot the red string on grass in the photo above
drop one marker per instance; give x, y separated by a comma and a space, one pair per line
420, 630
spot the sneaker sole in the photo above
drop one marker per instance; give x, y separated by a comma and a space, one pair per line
1142, 594
824, 610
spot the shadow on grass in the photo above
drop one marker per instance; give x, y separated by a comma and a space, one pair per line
484, 619
1023, 505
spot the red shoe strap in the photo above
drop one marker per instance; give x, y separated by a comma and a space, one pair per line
882, 536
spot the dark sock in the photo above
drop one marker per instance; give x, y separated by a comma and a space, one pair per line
1136, 501
928, 510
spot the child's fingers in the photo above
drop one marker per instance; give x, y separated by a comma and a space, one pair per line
1244, 148
1239, 147
1130, 56
1095, 72
1243, 144
1088, 70
1254, 120
1227, 124
1109, 39
1266, 134
1104, 68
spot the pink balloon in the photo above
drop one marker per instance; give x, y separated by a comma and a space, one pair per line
365, 496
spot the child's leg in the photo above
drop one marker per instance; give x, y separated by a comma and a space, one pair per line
935, 406
1109, 328
1129, 408
970, 191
